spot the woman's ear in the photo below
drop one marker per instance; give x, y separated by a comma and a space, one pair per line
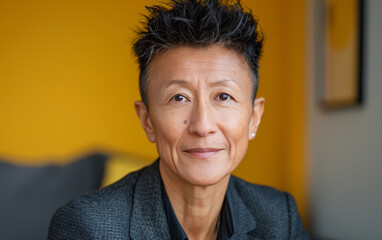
258, 109
144, 117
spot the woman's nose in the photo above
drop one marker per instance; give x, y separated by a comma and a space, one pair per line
202, 120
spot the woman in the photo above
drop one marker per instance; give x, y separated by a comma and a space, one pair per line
198, 82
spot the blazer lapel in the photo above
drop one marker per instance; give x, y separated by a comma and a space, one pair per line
243, 220
148, 219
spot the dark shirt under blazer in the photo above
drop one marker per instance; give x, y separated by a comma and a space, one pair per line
224, 229
132, 208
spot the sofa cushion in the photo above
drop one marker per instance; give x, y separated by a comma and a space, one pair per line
29, 195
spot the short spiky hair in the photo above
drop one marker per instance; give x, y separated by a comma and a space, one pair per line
198, 23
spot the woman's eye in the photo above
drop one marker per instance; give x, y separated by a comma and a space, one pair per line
224, 97
179, 98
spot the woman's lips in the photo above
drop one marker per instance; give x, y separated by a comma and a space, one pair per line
202, 152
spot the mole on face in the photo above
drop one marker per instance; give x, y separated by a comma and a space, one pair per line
185, 122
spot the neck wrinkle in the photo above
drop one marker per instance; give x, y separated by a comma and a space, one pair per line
197, 208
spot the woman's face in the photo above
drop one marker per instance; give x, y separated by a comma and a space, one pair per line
201, 114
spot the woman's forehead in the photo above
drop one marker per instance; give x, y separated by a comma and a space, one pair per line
214, 64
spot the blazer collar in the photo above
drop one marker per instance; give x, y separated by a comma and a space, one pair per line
243, 219
148, 218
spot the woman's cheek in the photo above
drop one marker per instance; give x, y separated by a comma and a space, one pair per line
235, 122
171, 125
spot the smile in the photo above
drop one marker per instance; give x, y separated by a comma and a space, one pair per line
202, 152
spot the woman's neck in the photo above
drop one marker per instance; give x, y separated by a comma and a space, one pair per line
197, 208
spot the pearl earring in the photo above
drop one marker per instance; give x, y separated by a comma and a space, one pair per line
253, 135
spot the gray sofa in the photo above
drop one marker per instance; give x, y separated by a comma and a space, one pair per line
29, 195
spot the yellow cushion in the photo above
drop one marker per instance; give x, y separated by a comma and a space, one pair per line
117, 166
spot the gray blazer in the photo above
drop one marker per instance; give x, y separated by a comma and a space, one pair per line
132, 209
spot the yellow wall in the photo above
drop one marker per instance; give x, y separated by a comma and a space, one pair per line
68, 80
276, 156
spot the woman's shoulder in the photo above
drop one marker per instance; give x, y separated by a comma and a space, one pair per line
273, 210
108, 207
261, 200
113, 193
255, 190
261, 197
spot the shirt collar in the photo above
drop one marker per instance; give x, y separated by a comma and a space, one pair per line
226, 227
148, 193
176, 230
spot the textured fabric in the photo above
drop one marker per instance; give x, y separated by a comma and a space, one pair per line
176, 230
226, 229
132, 208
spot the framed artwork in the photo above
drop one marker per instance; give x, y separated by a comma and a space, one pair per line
343, 48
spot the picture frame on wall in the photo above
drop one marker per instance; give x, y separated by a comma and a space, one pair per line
343, 50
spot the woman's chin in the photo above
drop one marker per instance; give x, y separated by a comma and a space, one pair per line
197, 172
201, 178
